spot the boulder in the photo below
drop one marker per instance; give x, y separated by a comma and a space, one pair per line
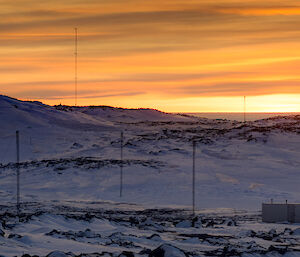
167, 250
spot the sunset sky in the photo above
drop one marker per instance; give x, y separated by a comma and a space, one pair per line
172, 55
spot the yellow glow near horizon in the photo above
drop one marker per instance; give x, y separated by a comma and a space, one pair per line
265, 103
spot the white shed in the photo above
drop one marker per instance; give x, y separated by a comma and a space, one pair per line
281, 212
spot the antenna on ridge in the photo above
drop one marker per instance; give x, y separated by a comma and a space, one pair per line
76, 54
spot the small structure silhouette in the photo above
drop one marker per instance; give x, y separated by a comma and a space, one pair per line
281, 212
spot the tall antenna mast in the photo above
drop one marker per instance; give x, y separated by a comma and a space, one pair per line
76, 54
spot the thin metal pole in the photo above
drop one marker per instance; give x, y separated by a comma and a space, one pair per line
194, 153
76, 54
121, 166
18, 171
245, 116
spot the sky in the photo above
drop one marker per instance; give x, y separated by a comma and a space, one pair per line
172, 55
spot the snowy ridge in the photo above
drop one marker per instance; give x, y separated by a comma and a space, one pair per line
263, 147
126, 115
235, 161
16, 114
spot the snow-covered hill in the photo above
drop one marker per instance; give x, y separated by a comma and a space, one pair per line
74, 153
16, 114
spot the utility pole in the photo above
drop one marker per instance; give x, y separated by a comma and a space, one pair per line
18, 171
194, 156
244, 116
121, 166
76, 54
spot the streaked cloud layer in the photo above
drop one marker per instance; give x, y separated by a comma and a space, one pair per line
153, 53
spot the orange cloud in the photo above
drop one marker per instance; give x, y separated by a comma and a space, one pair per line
136, 53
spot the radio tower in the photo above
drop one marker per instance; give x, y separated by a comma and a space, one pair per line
76, 53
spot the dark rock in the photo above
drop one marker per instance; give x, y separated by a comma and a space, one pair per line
126, 254
210, 223
145, 251
154, 237
76, 146
230, 251
230, 223
15, 236
280, 249
133, 221
167, 250
288, 231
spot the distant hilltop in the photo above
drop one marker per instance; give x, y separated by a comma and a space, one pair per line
16, 113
